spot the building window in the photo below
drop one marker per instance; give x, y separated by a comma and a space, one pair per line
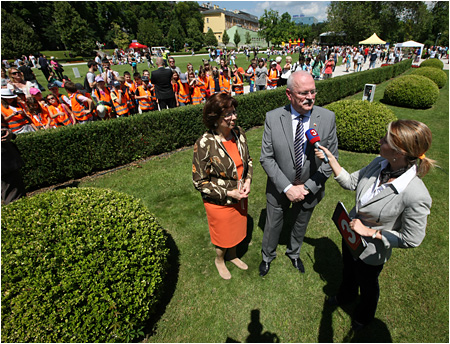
207, 20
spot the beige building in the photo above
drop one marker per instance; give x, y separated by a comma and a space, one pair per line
219, 20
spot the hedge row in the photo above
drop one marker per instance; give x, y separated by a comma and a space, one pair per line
59, 155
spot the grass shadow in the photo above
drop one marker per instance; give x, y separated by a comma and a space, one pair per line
242, 247
255, 328
169, 287
327, 262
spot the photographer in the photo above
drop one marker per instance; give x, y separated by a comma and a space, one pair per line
108, 74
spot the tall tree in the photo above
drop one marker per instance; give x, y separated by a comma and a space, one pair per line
248, 38
355, 18
149, 32
176, 36
237, 38
195, 37
268, 25
225, 38
211, 39
73, 29
440, 14
121, 38
17, 37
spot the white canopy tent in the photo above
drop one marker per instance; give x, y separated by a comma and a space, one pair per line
410, 44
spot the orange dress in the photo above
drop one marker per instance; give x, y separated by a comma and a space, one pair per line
228, 223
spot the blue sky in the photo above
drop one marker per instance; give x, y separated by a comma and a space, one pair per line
316, 9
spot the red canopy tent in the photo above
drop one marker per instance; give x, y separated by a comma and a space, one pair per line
136, 45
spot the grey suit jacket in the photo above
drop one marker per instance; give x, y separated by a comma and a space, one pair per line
401, 217
278, 156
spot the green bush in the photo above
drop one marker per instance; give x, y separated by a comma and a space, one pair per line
411, 91
435, 63
59, 155
438, 76
79, 265
361, 124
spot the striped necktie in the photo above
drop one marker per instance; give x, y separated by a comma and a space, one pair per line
298, 149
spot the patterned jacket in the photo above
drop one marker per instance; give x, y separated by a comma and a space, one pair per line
214, 172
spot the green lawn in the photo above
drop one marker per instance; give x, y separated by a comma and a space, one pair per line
202, 307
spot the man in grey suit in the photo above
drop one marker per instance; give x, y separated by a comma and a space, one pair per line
296, 177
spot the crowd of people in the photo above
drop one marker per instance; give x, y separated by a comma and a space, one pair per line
105, 94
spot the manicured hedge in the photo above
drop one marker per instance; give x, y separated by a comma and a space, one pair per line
79, 265
360, 124
59, 155
435, 63
411, 91
438, 76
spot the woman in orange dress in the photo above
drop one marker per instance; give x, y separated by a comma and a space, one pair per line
222, 172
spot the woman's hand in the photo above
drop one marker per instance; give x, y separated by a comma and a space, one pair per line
357, 226
236, 194
331, 159
246, 188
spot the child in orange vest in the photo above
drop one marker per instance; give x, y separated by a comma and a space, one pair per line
184, 94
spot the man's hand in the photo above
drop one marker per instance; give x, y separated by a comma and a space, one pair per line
297, 193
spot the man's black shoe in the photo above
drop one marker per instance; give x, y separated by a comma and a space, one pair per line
298, 264
264, 268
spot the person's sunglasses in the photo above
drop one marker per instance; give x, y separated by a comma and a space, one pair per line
14, 73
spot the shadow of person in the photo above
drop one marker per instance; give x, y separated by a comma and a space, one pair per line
256, 331
242, 247
170, 284
327, 262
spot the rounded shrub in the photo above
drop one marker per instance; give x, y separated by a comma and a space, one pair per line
79, 265
435, 63
360, 124
411, 91
438, 76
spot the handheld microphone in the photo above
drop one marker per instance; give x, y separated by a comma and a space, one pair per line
313, 137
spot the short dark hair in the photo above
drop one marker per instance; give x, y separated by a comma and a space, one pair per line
214, 108
136, 75
91, 63
105, 61
70, 87
126, 73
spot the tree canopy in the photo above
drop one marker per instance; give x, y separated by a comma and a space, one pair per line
77, 25
393, 21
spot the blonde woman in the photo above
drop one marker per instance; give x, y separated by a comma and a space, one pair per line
392, 206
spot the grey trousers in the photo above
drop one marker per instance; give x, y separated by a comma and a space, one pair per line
274, 226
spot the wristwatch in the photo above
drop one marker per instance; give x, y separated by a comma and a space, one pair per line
374, 235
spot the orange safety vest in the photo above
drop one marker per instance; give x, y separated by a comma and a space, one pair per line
238, 89
273, 74
121, 108
130, 98
212, 85
19, 119
78, 106
61, 120
145, 104
184, 93
197, 96
225, 84
42, 119
205, 87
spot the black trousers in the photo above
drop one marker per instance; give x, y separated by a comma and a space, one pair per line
169, 102
357, 274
